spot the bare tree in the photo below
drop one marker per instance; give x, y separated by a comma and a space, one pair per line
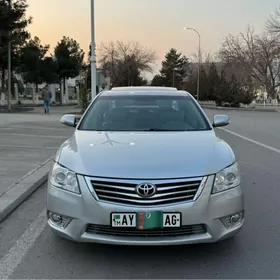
272, 24
123, 61
205, 57
258, 56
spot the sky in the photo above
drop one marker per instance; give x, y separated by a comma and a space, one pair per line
157, 24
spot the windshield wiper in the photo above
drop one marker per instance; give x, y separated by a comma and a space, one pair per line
160, 129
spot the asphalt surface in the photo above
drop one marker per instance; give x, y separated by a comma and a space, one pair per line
28, 139
263, 127
28, 249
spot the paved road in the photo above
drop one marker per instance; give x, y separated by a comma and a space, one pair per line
27, 140
261, 126
29, 250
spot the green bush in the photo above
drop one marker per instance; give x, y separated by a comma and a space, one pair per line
233, 93
84, 99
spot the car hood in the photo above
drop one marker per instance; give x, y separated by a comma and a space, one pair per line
145, 155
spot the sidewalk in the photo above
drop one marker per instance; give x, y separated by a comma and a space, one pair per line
26, 141
255, 109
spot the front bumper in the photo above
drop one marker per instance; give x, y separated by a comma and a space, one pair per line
208, 210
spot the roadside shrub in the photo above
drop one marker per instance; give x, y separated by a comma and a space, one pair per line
84, 99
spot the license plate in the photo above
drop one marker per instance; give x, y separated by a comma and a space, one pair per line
127, 220
146, 220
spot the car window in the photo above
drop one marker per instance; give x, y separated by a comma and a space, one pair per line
144, 113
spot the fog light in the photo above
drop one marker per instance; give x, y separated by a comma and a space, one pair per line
58, 220
233, 220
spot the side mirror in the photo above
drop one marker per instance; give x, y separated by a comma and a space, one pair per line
69, 120
221, 120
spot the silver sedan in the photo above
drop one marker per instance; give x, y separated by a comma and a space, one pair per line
144, 166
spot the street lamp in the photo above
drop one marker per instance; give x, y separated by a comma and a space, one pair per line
9, 61
199, 53
93, 55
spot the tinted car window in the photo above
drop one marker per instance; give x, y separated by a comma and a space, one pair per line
144, 113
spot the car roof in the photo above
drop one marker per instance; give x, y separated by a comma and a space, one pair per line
145, 90
140, 88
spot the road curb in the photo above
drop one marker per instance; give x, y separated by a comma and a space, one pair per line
22, 106
16, 110
18, 192
239, 109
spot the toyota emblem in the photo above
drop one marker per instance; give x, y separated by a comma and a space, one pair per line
146, 190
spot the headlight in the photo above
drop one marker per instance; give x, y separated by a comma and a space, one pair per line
227, 178
64, 178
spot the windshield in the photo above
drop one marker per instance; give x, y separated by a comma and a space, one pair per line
144, 113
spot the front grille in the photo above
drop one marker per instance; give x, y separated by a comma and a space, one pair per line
124, 192
184, 230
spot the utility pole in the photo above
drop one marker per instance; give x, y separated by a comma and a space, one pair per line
9, 101
93, 55
199, 58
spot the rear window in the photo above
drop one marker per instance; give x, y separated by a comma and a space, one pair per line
144, 113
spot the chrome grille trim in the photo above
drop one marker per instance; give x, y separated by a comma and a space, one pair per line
184, 230
122, 191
